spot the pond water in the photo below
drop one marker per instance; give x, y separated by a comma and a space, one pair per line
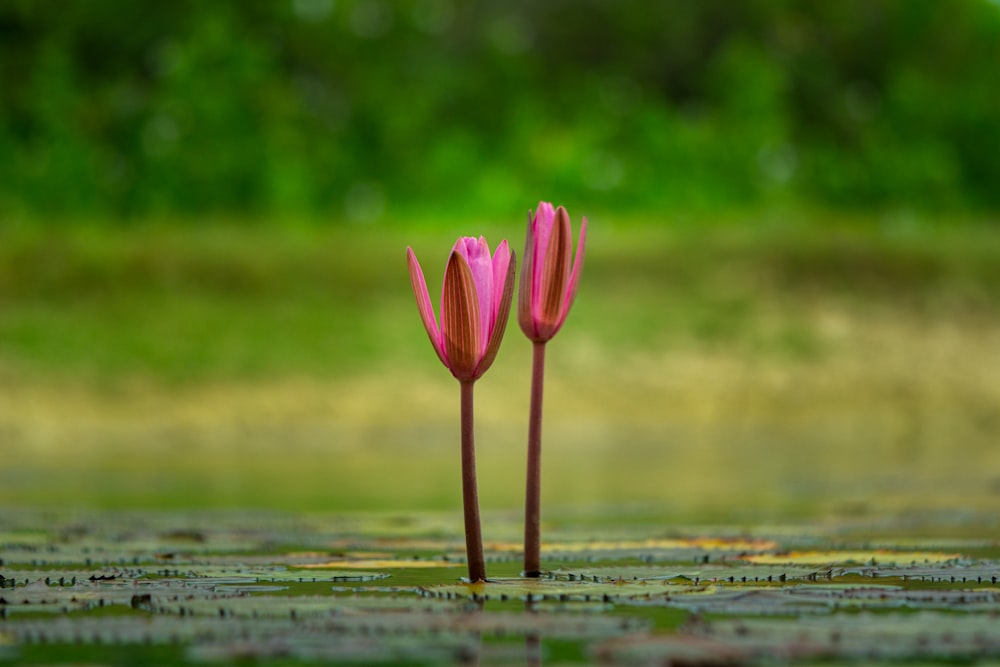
202, 587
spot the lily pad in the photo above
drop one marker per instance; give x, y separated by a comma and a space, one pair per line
736, 572
897, 636
382, 564
321, 591
554, 590
261, 573
847, 557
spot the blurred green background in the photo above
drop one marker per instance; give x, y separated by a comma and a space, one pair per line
790, 300
371, 109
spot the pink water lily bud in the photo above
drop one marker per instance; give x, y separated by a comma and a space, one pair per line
475, 304
548, 284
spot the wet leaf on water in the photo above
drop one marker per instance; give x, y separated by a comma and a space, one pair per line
226, 638
697, 544
265, 617
236, 574
382, 564
555, 590
278, 606
925, 635
654, 550
85, 594
735, 600
815, 599
856, 557
673, 649
14, 577
733, 572
343, 648
320, 589
956, 573
895, 598
897, 636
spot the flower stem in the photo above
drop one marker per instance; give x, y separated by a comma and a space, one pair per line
470, 492
533, 499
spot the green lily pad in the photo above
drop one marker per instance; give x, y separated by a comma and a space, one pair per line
223, 574
555, 590
873, 557
320, 590
866, 636
735, 572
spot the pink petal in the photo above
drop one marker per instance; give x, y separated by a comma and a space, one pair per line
501, 260
460, 318
542, 227
477, 254
574, 278
525, 295
424, 305
503, 310
554, 276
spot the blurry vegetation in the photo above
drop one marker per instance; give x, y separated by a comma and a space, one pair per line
792, 366
369, 109
844, 309
216, 302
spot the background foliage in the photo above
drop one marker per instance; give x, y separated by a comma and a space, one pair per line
364, 109
788, 306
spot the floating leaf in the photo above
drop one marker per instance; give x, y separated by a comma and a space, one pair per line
834, 558
316, 617
311, 589
735, 572
687, 550
554, 590
384, 563
870, 636
688, 544
671, 649
218, 574
956, 573
455, 649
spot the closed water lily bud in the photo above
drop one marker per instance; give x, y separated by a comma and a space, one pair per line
475, 304
548, 283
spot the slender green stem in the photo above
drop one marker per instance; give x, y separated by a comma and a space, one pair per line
470, 492
533, 495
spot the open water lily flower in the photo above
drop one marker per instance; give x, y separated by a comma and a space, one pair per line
475, 304
548, 284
